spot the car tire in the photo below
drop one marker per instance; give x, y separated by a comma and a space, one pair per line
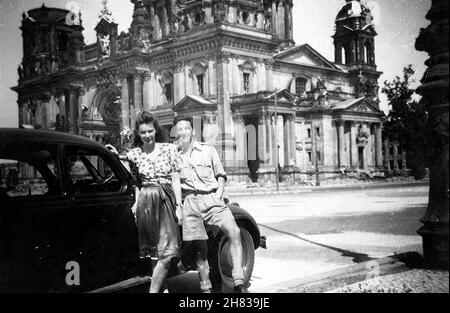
221, 264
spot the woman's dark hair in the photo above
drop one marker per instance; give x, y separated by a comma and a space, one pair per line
148, 118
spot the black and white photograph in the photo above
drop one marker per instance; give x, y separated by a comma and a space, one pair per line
193, 147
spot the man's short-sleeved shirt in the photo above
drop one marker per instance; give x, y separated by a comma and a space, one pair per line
201, 168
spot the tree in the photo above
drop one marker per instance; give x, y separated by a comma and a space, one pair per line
406, 122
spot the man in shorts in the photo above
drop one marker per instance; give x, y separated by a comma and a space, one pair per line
202, 181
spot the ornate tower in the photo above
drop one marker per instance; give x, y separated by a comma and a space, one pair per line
53, 45
354, 43
106, 31
52, 40
354, 39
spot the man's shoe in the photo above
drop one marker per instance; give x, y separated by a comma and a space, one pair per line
240, 289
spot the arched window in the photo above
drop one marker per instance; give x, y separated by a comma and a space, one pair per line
300, 86
344, 55
248, 70
199, 75
367, 53
168, 87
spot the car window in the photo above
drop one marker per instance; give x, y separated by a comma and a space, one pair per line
89, 172
28, 171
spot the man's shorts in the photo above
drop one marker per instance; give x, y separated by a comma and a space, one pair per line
199, 210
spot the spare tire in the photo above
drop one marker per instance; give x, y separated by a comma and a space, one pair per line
221, 264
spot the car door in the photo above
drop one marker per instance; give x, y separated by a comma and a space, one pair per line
106, 234
33, 217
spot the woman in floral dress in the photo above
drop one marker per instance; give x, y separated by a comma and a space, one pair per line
159, 210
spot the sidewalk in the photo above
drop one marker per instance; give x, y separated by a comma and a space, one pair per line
397, 274
325, 186
412, 281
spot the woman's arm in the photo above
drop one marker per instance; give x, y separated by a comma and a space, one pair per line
123, 159
176, 185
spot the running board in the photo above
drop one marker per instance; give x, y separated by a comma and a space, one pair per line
129, 283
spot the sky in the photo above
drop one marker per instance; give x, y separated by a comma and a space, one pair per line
398, 24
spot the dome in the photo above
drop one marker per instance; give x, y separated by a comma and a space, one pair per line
47, 15
353, 8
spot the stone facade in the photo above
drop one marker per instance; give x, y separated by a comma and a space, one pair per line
233, 65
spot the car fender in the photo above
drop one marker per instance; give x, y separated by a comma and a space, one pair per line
243, 219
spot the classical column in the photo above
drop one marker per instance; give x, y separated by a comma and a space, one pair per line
372, 147
366, 151
379, 145
226, 148
276, 145
125, 103
48, 112
179, 83
289, 22
287, 139
133, 113
147, 91
211, 77
82, 102
387, 155
138, 91
73, 116
263, 138
341, 143
274, 18
293, 139
354, 146
281, 30
269, 74
158, 89
435, 90
40, 114
301, 131
165, 22
239, 130
395, 148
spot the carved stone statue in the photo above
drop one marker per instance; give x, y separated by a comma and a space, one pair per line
164, 100
104, 42
220, 12
268, 21
144, 40
363, 136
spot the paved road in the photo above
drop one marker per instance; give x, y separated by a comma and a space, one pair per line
315, 232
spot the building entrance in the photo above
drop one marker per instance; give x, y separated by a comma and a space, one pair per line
361, 158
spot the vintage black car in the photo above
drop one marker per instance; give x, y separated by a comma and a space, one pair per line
66, 223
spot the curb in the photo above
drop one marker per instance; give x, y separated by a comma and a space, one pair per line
324, 281
312, 189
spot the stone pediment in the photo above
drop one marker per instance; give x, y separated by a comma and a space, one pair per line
194, 103
283, 96
361, 105
305, 55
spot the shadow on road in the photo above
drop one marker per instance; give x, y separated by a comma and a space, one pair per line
357, 257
